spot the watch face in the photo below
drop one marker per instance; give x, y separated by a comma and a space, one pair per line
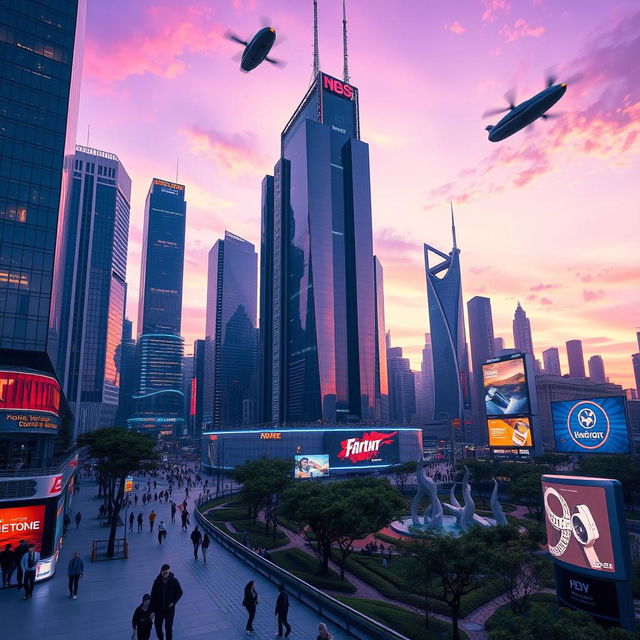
578, 525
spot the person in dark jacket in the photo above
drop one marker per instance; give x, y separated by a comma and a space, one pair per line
75, 571
196, 538
165, 593
21, 549
206, 542
142, 620
250, 602
78, 519
8, 564
282, 611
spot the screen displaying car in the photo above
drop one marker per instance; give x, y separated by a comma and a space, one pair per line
505, 387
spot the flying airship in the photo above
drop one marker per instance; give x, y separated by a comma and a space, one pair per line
526, 112
257, 49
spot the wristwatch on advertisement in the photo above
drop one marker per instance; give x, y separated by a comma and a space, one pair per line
586, 533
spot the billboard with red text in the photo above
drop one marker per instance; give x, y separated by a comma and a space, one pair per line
360, 448
22, 523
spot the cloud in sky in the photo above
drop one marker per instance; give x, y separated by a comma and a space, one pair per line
520, 29
455, 27
494, 9
589, 295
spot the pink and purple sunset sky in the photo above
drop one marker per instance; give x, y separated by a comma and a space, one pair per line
550, 217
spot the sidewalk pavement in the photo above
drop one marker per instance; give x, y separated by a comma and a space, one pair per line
110, 590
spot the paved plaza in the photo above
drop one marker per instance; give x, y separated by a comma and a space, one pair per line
110, 591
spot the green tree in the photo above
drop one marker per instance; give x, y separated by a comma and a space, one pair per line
553, 460
624, 468
456, 564
401, 473
263, 482
118, 454
337, 513
527, 490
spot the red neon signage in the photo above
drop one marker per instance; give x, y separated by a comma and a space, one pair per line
365, 448
336, 86
21, 391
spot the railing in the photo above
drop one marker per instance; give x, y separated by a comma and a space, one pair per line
99, 550
55, 468
340, 614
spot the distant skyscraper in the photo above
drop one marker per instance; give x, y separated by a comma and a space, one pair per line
160, 396
635, 360
446, 320
522, 331
188, 364
482, 349
95, 269
576, 359
128, 374
230, 389
426, 371
551, 361
320, 294
402, 392
382, 380
498, 345
596, 369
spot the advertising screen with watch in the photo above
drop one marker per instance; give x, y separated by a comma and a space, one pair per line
594, 425
510, 432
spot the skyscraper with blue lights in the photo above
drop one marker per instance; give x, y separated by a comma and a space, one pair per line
159, 399
446, 321
317, 275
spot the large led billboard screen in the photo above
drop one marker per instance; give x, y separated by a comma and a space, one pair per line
351, 449
510, 432
22, 523
312, 466
596, 425
505, 387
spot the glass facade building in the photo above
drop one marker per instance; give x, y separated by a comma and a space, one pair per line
318, 293
126, 359
159, 400
381, 379
94, 256
230, 367
446, 321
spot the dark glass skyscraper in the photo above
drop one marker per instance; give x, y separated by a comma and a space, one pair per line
446, 319
160, 396
230, 368
382, 375
575, 358
319, 294
128, 374
522, 331
95, 269
40, 68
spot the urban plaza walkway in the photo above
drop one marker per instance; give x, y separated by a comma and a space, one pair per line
210, 608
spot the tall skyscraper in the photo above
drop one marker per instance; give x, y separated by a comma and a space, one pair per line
230, 385
40, 66
128, 374
522, 331
197, 391
319, 296
160, 397
596, 369
576, 359
635, 360
551, 361
426, 371
94, 248
382, 380
482, 349
446, 320
498, 345
402, 391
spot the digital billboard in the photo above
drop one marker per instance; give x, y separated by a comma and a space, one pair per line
510, 432
362, 448
505, 387
22, 523
596, 425
312, 466
29, 402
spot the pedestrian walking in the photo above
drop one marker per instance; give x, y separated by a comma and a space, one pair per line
21, 549
29, 564
250, 602
135, 500
152, 520
162, 532
8, 564
140, 521
173, 511
185, 519
205, 545
75, 572
282, 611
165, 593
78, 518
66, 521
132, 519
323, 632
142, 621
196, 539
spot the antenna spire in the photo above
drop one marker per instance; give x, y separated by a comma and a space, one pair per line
453, 229
345, 73
316, 53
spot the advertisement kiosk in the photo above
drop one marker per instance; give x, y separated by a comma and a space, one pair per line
587, 539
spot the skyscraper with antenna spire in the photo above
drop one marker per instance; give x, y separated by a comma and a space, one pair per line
317, 283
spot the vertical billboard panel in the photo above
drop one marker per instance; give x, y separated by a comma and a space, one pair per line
595, 425
352, 449
505, 387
